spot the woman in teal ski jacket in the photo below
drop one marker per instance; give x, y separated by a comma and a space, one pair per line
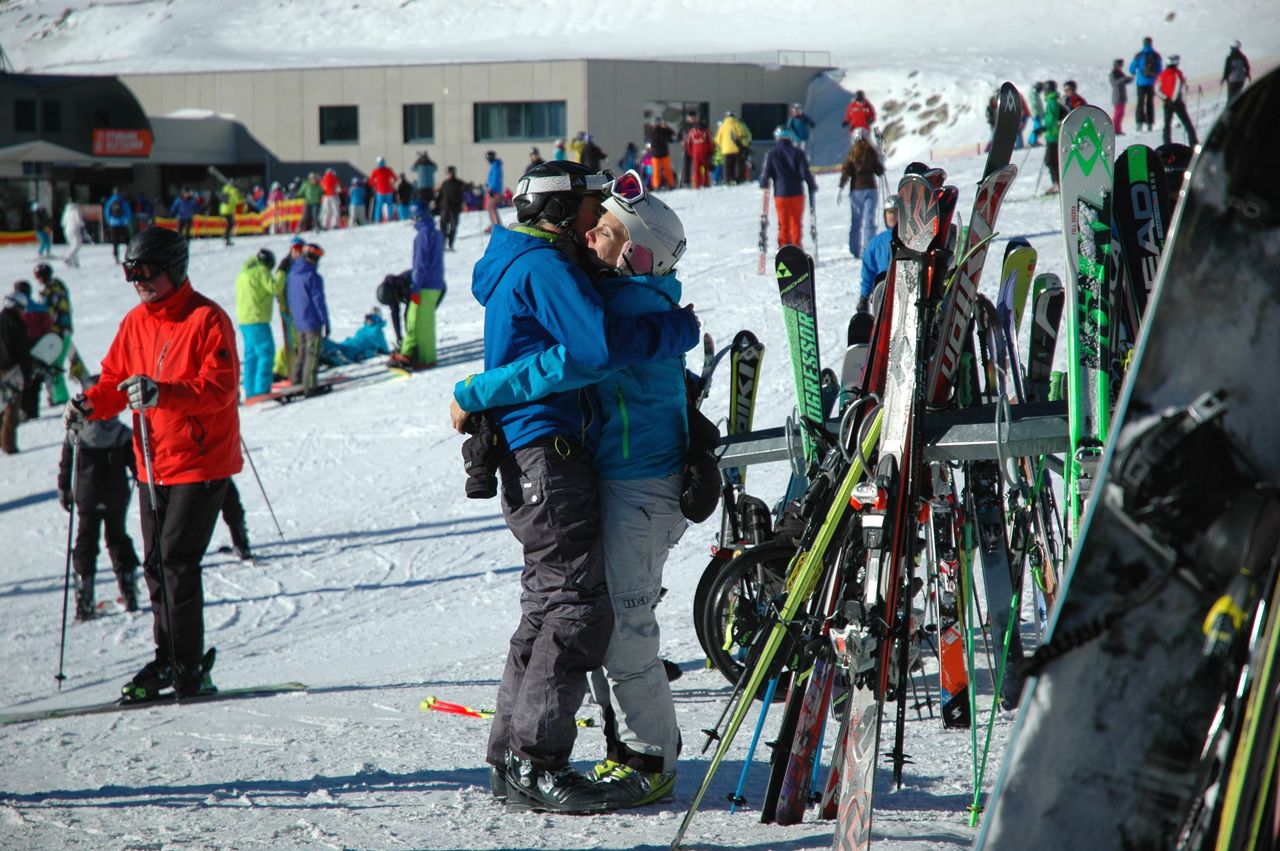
639, 459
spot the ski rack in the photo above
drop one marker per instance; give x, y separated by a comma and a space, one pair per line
968, 434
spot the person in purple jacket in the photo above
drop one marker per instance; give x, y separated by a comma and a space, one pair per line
426, 291
788, 167
305, 292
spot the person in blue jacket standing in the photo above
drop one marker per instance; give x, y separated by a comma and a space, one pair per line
1145, 67
800, 124
183, 209
118, 213
426, 291
537, 296
310, 314
493, 190
788, 168
644, 440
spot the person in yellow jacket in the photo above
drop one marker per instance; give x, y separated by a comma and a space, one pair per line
232, 202
732, 140
285, 354
256, 289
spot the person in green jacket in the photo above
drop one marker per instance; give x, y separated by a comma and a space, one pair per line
232, 201
311, 193
1052, 124
256, 289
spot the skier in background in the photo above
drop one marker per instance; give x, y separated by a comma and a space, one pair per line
73, 232
800, 124
1172, 86
535, 159
859, 113
382, 183
876, 257
861, 167
118, 214
1119, 94
697, 153
43, 223
311, 193
661, 137
1236, 71
592, 155
788, 168
424, 174
101, 499
357, 203
404, 199
310, 312
731, 139
558, 153
256, 291
183, 209
1071, 99
286, 355
426, 291
449, 204
1052, 125
232, 201
1037, 114
56, 299
494, 187
331, 203
1145, 67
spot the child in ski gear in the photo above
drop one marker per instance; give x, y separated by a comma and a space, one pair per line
73, 232
310, 314
1119, 94
105, 463
173, 362
256, 291
394, 292
15, 367
43, 225
119, 215
1145, 67
536, 296
1236, 71
639, 458
1172, 85
788, 168
861, 167
1070, 98
877, 256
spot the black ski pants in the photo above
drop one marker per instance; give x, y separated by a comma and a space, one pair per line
1179, 108
552, 505
1146, 113
98, 517
449, 226
233, 516
176, 533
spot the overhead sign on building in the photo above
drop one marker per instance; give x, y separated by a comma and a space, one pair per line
121, 143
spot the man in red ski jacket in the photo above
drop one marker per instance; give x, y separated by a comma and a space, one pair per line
1171, 85
382, 183
697, 152
331, 204
859, 113
173, 361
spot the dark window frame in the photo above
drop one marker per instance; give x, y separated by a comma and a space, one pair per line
521, 121
25, 111
328, 128
418, 138
763, 118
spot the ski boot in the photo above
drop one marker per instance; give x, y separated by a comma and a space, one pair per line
148, 683
127, 582
85, 609
195, 680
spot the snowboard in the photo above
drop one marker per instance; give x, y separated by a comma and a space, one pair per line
1106, 752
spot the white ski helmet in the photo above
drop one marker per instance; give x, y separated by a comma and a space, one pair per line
656, 234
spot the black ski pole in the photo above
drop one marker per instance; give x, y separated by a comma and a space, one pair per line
66, 579
156, 538
254, 468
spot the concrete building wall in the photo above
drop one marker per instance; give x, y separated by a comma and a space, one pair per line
281, 108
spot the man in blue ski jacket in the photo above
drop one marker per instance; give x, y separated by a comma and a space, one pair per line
493, 190
1145, 67
536, 296
799, 124
788, 168
877, 256
119, 214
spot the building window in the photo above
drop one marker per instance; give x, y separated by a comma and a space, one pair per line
24, 115
339, 125
762, 118
52, 116
419, 123
519, 122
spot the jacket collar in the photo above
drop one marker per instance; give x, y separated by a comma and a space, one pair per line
173, 306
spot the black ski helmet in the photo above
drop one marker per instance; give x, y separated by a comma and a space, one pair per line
553, 191
43, 272
267, 257
161, 247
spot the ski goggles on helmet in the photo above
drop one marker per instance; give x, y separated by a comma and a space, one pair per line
141, 271
627, 189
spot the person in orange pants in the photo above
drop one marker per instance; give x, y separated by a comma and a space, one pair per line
788, 168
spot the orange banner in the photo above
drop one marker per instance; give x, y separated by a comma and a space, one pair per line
17, 237
121, 143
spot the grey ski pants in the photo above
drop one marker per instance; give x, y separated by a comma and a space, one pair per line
641, 522
551, 504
